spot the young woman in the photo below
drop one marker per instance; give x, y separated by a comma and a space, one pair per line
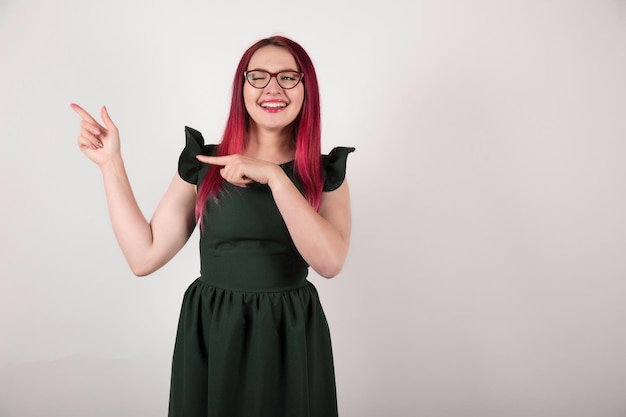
252, 337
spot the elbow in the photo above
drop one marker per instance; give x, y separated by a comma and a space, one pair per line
329, 269
145, 264
140, 270
329, 274
331, 264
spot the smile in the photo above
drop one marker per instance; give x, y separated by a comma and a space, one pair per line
273, 105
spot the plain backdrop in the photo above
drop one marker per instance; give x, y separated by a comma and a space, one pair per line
487, 270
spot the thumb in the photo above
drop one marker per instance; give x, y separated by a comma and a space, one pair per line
108, 123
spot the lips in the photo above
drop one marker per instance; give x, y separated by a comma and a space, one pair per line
273, 104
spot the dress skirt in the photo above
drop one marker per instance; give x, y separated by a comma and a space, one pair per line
263, 353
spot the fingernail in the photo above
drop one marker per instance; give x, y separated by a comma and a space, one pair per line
96, 131
100, 144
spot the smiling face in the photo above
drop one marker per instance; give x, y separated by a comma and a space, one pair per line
272, 108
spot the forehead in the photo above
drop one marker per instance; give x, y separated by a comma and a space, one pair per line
272, 58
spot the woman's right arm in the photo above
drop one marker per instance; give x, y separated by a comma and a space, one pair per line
147, 246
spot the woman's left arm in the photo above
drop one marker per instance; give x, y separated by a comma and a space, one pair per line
322, 237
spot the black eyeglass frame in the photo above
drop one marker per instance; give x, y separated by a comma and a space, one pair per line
273, 75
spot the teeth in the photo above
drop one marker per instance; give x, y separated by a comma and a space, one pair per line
273, 105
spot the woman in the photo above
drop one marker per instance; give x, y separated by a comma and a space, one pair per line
252, 337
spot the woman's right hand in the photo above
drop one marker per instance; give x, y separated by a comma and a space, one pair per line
100, 143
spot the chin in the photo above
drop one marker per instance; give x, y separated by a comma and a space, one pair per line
274, 125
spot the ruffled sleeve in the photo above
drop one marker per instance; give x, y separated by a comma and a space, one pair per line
334, 167
189, 168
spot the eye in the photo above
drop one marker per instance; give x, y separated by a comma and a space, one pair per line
257, 76
289, 76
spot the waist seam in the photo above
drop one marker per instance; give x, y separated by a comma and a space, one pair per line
209, 282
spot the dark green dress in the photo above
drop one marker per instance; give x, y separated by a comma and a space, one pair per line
252, 338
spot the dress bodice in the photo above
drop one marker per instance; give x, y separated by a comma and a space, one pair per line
245, 242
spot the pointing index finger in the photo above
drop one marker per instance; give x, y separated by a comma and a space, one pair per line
213, 160
83, 113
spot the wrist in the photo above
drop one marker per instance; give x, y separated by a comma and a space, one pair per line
113, 165
278, 178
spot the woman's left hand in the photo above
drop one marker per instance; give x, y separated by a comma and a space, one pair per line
241, 170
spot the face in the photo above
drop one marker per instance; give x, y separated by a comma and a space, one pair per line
273, 107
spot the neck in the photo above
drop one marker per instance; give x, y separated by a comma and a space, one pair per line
275, 146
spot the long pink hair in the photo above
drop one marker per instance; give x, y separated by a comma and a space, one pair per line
306, 128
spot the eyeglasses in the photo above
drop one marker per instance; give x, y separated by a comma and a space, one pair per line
261, 78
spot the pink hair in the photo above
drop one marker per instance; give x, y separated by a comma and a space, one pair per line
306, 128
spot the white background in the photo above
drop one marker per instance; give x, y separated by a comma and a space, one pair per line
487, 271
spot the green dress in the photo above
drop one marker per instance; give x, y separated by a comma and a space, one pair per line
252, 338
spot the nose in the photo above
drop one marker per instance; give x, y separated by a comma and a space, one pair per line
273, 85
